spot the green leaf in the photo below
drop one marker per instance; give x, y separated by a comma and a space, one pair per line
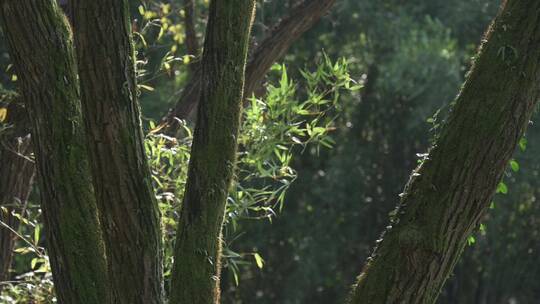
276, 67
186, 59
502, 188
284, 79
236, 281
3, 114
514, 165
37, 231
23, 250
258, 260
523, 144
146, 87
482, 228
34, 262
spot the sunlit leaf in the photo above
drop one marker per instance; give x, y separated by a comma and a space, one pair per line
258, 260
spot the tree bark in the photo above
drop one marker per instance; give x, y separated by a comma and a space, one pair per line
196, 272
285, 33
192, 43
121, 175
42, 52
16, 176
448, 194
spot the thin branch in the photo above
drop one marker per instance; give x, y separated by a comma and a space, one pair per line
37, 250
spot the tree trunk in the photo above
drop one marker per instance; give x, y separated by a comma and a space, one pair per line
16, 176
42, 52
448, 194
196, 272
122, 179
285, 33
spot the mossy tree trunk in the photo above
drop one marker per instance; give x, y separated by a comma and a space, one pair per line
121, 174
42, 52
196, 271
450, 192
16, 174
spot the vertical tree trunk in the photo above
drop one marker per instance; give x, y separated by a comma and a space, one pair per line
196, 271
128, 208
16, 176
42, 52
448, 194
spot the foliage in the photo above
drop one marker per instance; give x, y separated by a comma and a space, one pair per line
34, 284
411, 56
273, 129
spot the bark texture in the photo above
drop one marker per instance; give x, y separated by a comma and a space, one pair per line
16, 175
122, 179
42, 52
448, 194
192, 43
271, 49
197, 267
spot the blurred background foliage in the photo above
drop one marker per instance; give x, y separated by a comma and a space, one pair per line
325, 152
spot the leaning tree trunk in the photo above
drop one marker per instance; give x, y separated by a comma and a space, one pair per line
196, 271
272, 48
16, 175
42, 52
121, 174
448, 194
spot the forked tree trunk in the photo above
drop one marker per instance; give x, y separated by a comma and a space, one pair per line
16, 176
121, 174
448, 194
272, 48
196, 271
42, 52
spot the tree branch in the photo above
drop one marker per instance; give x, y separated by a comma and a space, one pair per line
273, 48
192, 43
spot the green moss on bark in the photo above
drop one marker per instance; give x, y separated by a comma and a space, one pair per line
450, 192
197, 267
41, 49
121, 175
